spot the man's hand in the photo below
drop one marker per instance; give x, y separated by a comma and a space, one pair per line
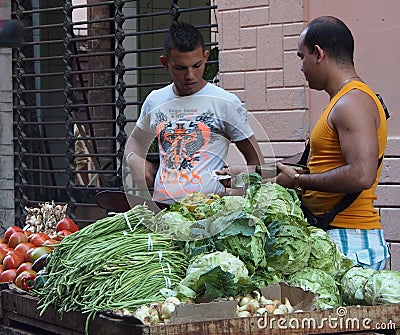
234, 171
285, 176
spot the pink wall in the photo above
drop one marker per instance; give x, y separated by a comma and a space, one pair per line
258, 62
376, 30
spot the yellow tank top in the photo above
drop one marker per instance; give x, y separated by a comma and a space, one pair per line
325, 154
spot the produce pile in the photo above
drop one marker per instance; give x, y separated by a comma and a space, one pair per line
114, 263
23, 251
203, 248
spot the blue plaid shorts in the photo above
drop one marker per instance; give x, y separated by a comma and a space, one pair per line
366, 248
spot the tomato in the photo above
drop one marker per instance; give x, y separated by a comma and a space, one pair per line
23, 267
37, 239
10, 231
28, 255
28, 233
67, 224
1, 268
5, 246
33, 254
8, 275
2, 240
61, 234
50, 243
3, 254
12, 260
22, 248
17, 238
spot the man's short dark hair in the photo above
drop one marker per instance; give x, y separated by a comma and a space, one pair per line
184, 37
333, 36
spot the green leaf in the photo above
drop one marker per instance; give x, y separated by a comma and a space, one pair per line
216, 283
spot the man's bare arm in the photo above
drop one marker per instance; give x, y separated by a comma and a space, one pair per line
143, 172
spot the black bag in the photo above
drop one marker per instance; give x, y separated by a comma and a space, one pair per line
323, 221
319, 221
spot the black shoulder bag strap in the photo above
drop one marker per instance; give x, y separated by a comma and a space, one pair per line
348, 198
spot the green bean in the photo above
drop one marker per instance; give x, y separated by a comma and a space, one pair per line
110, 265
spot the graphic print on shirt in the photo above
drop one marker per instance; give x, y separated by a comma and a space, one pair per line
181, 142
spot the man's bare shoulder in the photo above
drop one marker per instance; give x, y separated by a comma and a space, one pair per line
354, 107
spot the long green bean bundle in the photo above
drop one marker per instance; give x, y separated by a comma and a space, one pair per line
114, 263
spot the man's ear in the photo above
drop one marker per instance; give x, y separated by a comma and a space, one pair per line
320, 53
206, 54
164, 61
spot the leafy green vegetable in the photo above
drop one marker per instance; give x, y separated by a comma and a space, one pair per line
173, 224
287, 247
244, 236
320, 283
383, 288
220, 207
267, 276
215, 275
217, 283
183, 224
352, 285
272, 201
325, 255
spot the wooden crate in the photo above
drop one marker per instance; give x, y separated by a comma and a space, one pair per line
20, 310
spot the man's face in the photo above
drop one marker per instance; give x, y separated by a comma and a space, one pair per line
186, 70
303, 54
309, 63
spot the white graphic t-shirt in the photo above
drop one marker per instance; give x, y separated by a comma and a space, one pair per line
194, 133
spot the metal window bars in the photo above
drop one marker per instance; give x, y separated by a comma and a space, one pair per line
79, 80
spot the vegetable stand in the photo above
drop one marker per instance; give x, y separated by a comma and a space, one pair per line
20, 311
139, 272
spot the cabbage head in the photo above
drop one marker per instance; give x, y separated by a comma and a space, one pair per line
319, 282
214, 275
383, 288
287, 247
273, 201
326, 256
352, 285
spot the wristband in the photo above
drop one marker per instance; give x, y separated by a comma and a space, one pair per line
296, 184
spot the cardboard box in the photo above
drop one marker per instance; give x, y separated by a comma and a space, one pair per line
299, 298
226, 309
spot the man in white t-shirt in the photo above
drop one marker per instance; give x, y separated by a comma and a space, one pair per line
194, 122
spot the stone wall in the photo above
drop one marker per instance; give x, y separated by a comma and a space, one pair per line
258, 62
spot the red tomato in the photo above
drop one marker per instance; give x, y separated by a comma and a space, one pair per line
12, 260
23, 267
8, 275
50, 243
67, 224
28, 233
10, 231
28, 255
17, 238
62, 233
3, 254
37, 239
22, 248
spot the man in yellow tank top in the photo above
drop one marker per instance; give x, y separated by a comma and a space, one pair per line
346, 143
